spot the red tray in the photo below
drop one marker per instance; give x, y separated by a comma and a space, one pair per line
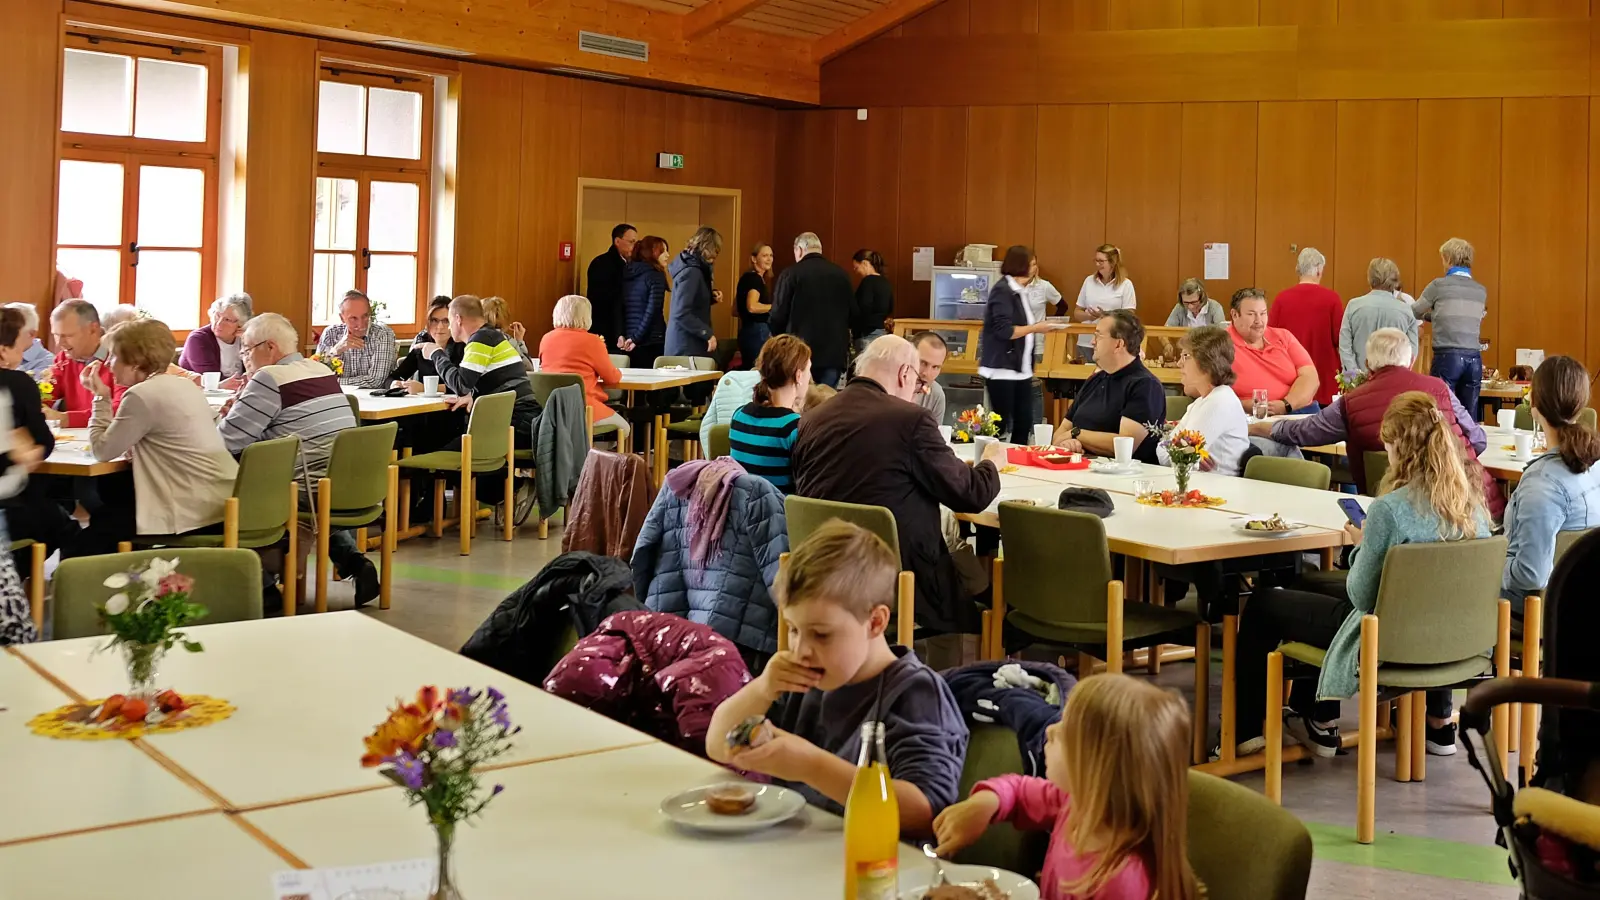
1082, 463
1024, 456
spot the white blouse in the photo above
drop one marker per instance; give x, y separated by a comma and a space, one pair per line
229, 355
1096, 294
1026, 372
1220, 417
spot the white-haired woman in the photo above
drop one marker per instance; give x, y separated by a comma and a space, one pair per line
35, 357
216, 347
570, 348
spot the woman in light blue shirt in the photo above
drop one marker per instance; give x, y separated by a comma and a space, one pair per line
1560, 488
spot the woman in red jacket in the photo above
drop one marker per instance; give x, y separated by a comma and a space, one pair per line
570, 348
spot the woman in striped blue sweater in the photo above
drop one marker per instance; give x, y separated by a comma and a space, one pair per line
762, 431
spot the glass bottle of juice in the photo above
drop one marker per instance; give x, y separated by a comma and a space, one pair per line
871, 824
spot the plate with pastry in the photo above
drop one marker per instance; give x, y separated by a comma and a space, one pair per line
1272, 525
966, 883
733, 807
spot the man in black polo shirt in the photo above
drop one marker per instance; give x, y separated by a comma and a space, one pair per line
1120, 399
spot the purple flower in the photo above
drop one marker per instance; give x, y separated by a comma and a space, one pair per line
495, 696
409, 768
444, 738
497, 789
462, 696
501, 717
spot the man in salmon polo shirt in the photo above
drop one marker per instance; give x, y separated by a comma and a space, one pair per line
1269, 358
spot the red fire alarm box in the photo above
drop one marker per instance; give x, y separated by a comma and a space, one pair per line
564, 252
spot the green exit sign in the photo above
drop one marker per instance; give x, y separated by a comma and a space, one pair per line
669, 160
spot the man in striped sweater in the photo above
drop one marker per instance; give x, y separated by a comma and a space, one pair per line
490, 364
287, 394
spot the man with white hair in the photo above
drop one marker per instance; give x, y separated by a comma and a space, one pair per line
1379, 308
1357, 417
813, 300
873, 444
287, 394
1313, 314
36, 358
366, 348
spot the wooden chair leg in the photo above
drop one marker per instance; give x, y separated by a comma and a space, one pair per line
291, 558
438, 507
985, 637
1114, 627
1532, 632
1501, 720
1272, 728
230, 523
906, 610
1202, 689
510, 501
544, 529
997, 642
1367, 740
36, 583
1230, 642
361, 539
405, 497
391, 502
124, 546
468, 507
1419, 737
324, 514
1403, 736
783, 630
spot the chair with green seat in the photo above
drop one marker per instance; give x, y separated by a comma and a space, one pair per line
1442, 617
227, 582
992, 751
688, 429
1243, 845
804, 515
1177, 405
720, 445
1282, 470
486, 447
1586, 416
1035, 606
544, 383
361, 487
1377, 462
355, 407
260, 512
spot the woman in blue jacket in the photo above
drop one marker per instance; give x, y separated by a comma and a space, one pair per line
689, 325
644, 286
1005, 350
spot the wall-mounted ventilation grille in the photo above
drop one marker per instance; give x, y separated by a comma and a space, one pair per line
609, 45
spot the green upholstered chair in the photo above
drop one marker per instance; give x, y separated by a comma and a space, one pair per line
361, 487
1243, 845
1177, 405
544, 383
1377, 467
1281, 470
696, 395
993, 751
355, 406
1440, 610
614, 396
1586, 416
804, 515
720, 444
485, 448
227, 582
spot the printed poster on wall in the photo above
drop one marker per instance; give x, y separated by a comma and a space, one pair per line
921, 263
1216, 262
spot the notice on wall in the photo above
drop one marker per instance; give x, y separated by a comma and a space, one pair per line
1529, 358
921, 263
1216, 262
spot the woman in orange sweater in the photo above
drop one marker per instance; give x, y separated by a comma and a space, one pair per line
570, 348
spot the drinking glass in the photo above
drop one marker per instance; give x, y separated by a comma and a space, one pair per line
1143, 487
1260, 407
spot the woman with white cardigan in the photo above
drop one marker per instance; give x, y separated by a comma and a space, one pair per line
1205, 361
182, 472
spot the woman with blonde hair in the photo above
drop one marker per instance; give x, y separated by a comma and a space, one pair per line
570, 348
1431, 495
1115, 799
1107, 289
497, 315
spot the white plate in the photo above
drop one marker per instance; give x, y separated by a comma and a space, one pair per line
774, 805
914, 881
1239, 526
1104, 466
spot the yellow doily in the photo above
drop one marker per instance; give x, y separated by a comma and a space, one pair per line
71, 722
1155, 500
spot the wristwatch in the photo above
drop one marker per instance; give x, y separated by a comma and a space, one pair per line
1076, 430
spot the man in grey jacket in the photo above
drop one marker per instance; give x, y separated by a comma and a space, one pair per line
1380, 308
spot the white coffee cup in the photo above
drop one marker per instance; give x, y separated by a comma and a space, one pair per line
947, 432
980, 444
430, 385
1507, 418
210, 380
1523, 442
1123, 446
1042, 434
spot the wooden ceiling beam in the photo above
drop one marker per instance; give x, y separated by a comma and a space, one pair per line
868, 27
708, 18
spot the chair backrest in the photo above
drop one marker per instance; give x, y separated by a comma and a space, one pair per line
1177, 405
703, 363
1282, 470
1439, 602
805, 515
491, 417
1042, 543
663, 361
620, 360
1377, 466
1243, 845
720, 444
262, 485
992, 751
359, 466
226, 582
355, 407
545, 382
1586, 417
1524, 416
1565, 540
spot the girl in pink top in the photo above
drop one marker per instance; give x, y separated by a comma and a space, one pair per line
1116, 801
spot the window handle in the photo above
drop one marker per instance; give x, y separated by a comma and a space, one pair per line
366, 258
133, 247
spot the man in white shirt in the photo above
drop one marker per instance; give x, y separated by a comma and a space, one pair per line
931, 353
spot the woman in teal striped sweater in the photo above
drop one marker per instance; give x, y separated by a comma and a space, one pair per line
762, 431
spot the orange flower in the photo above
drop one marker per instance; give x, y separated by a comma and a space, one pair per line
407, 727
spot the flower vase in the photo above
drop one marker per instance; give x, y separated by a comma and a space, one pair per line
1181, 472
142, 661
444, 877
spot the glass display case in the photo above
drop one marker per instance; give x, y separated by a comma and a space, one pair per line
959, 292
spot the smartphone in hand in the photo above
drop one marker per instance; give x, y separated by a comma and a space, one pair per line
1353, 511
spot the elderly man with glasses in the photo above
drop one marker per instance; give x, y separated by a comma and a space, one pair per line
366, 348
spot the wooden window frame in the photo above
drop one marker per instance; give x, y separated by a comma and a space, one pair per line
365, 169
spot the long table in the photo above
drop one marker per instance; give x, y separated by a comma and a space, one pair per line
278, 785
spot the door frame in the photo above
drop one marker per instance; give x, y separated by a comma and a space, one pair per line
731, 242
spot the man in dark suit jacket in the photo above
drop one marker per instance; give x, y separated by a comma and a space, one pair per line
604, 285
814, 301
874, 445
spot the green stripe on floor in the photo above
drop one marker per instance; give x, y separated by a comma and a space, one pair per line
413, 572
1482, 863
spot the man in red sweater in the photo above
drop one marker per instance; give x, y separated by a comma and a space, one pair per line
1313, 314
75, 325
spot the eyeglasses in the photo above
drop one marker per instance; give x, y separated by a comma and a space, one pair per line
1184, 355
252, 348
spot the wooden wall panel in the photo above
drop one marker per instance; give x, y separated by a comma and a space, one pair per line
1218, 193
1458, 144
551, 128
1294, 188
31, 72
933, 197
951, 18
1139, 14
866, 195
603, 130
281, 167
1071, 217
1546, 9
1056, 16
1298, 12
804, 180
1592, 338
1375, 192
1143, 170
1006, 17
489, 181
1001, 162
1416, 10
1544, 224
1212, 13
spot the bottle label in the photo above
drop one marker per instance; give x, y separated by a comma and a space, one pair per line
877, 880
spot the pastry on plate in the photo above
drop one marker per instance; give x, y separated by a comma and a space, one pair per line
731, 799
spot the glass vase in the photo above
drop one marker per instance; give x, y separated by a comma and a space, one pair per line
1181, 472
143, 661
444, 877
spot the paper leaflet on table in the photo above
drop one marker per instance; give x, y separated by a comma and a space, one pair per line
411, 878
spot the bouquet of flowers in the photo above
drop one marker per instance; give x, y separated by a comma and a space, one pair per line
47, 387
430, 747
1185, 448
143, 616
332, 362
1349, 381
976, 422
